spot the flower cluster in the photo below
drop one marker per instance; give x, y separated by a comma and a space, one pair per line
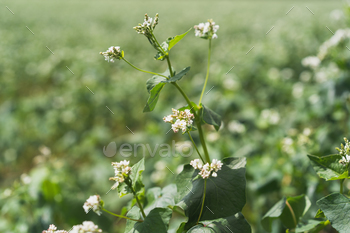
345, 152
338, 37
147, 26
95, 203
86, 227
121, 170
206, 30
207, 169
53, 229
180, 120
112, 53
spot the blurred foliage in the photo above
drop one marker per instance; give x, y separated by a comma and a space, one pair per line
53, 129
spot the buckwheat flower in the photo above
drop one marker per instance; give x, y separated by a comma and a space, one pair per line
180, 120
52, 229
147, 26
168, 119
205, 172
344, 150
196, 164
86, 227
121, 171
216, 165
94, 203
206, 30
112, 53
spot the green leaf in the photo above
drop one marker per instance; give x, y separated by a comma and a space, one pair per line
154, 81
157, 197
136, 178
299, 204
133, 213
179, 75
225, 194
156, 221
311, 225
336, 208
328, 167
173, 41
210, 117
153, 98
274, 213
181, 228
320, 214
194, 107
232, 224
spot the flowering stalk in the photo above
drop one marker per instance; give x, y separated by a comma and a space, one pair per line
194, 144
145, 71
121, 216
206, 77
128, 182
204, 192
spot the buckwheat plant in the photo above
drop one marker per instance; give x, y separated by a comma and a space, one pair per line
208, 193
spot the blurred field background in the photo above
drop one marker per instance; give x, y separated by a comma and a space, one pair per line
53, 129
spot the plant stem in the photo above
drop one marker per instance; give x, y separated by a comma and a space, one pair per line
155, 39
121, 216
197, 120
169, 65
206, 78
194, 144
128, 182
205, 189
145, 71
292, 212
341, 185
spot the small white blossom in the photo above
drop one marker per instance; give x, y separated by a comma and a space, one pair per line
206, 30
312, 62
53, 229
147, 26
121, 171
112, 53
86, 227
180, 120
94, 203
207, 169
344, 150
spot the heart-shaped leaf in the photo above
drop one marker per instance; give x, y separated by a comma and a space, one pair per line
210, 117
173, 41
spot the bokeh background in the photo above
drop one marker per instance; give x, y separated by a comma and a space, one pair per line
275, 110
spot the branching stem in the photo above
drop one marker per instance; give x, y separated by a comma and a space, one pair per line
121, 216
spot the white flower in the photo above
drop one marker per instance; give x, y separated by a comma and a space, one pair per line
52, 229
196, 164
207, 169
168, 119
121, 171
94, 203
206, 30
112, 53
344, 150
86, 227
180, 120
312, 62
147, 26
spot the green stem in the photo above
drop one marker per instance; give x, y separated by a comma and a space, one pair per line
198, 122
205, 189
145, 71
194, 144
292, 212
206, 78
121, 216
341, 185
128, 182
155, 39
169, 65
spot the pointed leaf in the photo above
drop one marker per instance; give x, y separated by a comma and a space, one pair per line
320, 214
310, 226
274, 213
157, 197
328, 167
336, 207
210, 117
179, 75
156, 221
225, 194
153, 97
136, 178
232, 224
176, 39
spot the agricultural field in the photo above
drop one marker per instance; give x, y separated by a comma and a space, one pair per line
62, 104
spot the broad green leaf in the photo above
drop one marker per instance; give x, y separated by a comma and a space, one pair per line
225, 194
156, 221
133, 213
210, 117
336, 208
310, 226
152, 82
179, 75
176, 39
157, 197
299, 204
136, 178
320, 214
232, 224
194, 107
181, 228
328, 167
274, 213
153, 97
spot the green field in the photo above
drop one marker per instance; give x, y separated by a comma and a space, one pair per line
53, 129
